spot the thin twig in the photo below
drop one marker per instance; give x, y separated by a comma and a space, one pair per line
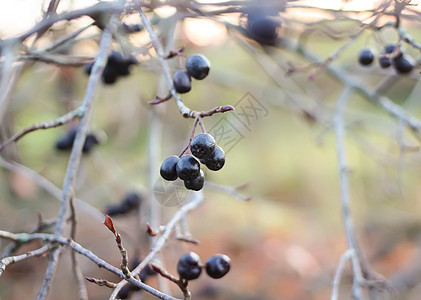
338, 275
82, 291
344, 185
13, 259
123, 252
182, 283
77, 113
101, 282
57, 59
160, 242
233, 191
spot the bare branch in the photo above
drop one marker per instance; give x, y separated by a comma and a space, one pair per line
338, 275
78, 113
13, 259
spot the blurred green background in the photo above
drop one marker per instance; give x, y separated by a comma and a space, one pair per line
286, 242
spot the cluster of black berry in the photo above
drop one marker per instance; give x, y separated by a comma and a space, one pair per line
187, 167
401, 63
189, 266
197, 66
117, 66
130, 202
65, 143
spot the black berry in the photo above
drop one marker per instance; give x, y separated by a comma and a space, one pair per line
218, 265
124, 66
130, 28
110, 74
182, 81
402, 65
262, 25
389, 48
168, 168
366, 57
189, 266
115, 210
197, 183
384, 61
188, 167
202, 145
65, 143
198, 66
115, 58
216, 160
131, 201
90, 142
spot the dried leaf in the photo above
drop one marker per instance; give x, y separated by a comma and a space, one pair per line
109, 223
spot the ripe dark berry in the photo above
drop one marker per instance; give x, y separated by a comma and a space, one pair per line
115, 58
124, 66
216, 160
218, 265
264, 31
389, 48
66, 142
90, 142
202, 145
182, 81
198, 66
189, 266
110, 74
384, 61
197, 183
168, 168
131, 201
403, 65
188, 167
262, 25
130, 28
366, 57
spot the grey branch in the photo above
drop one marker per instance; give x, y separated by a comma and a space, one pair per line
78, 113
68, 242
13, 259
